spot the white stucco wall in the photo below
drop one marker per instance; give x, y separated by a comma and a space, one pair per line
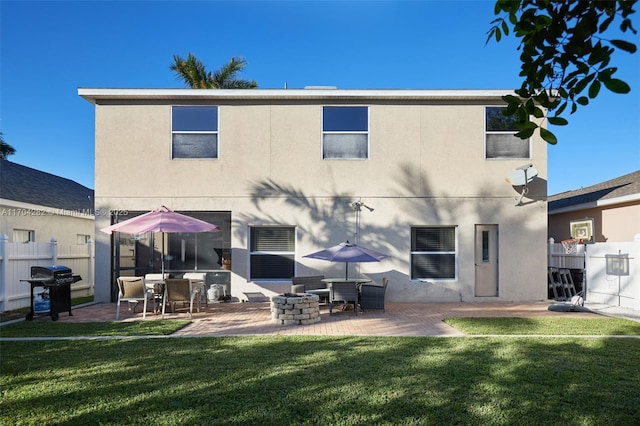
426, 167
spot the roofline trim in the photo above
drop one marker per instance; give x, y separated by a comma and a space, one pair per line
95, 94
595, 204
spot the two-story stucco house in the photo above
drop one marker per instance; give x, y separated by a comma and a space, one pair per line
278, 171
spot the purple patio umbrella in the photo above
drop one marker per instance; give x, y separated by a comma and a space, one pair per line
348, 253
162, 220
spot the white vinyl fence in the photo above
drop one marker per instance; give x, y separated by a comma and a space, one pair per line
613, 274
611, 270
16, 260
559, 258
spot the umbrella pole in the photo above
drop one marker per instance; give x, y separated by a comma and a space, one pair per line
162, 256
346, 271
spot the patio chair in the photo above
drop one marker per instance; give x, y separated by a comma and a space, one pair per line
302, 284
344, 292
179, 290
133, 290
198, 281
156, 282
372, 295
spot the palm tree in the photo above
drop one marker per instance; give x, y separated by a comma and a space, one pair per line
5, 149
192, 71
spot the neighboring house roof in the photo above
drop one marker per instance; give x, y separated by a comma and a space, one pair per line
27, 185
619, 190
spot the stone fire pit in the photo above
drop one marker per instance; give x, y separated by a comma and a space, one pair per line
295, 309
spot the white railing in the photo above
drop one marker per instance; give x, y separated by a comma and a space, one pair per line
16, 260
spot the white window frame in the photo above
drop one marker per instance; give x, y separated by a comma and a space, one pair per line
346, 133
511, 132
197, 132
19, 236
254, 253
454, 252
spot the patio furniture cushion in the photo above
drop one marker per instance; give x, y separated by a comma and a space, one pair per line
133, 290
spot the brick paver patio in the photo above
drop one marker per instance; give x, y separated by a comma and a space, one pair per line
254, 318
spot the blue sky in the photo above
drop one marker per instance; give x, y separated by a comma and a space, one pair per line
51, 48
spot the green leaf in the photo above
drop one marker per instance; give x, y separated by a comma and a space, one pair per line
511, 109
594, 89
616, 86
525, 134
547, 136
557, 121
583, 100
606, 73
624, 45
579, 87
526, 125
510, 99
505, 28
561, 108
538, 113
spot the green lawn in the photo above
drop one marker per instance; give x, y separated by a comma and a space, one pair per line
61, 329
278, 380
600, 326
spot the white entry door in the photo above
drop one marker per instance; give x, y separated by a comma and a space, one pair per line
486, 261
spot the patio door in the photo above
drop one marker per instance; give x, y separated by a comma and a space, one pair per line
486, 261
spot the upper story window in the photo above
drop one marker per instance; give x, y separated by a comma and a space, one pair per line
345, 132
433, 253
501, 141
272, 253
194, 132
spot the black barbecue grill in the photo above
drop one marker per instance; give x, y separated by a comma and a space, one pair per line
56, 280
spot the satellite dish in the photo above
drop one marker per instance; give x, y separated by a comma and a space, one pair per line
522, 176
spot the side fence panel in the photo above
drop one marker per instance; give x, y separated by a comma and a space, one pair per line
613, 274
16, 260
559, 258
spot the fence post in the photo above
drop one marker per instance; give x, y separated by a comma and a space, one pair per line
53, 243
4, 239
89, 265
550, 252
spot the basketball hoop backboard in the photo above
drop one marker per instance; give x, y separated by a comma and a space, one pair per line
582, 229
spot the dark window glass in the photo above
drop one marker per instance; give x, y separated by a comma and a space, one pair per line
433, 252
194, 132
195, 119
194, 145
434, 239
500, 139
272, 253
345, 119
345, 132
433, 266
497, 121
485, 246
